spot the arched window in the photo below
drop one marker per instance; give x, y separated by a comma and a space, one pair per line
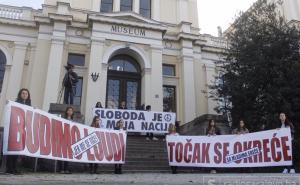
2, 68
124, 63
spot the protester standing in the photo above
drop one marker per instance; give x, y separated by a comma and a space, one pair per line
98, 105
123, 105
119, 126
149, 135
95, 124
241, 129
64, 165
285, 123
212, 130
69, 84
173, 132
12, 160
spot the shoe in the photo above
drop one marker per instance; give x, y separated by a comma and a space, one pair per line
155, 139
67, 172
292, 171
147, 138
213, 171
285, 171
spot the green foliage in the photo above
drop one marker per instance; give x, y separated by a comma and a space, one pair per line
261, 69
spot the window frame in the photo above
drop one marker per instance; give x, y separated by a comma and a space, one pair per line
169, 65
77, 54
112, 6
150, 9
175, 96
131, 9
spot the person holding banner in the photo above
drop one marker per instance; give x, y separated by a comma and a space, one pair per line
119, 126
172, 132
11, 163
285, 123
64, 165
123, 105
150, 136
241, 129
98, 105
95, 124
212, 130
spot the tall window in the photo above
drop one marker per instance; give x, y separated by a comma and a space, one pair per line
126, 5
169, 99
106, 6
2, 68
145, 8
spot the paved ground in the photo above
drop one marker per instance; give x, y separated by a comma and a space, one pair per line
151, 179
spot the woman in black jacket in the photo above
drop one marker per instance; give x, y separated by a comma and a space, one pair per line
64, 165
285, 123
11, 163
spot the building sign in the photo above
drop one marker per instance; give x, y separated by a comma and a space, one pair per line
128, 30
267, 148
35, 133
136, 121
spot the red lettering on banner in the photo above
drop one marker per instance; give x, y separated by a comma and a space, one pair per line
171, 146
257, 158
248, 146
188, 148
218, 156
98, 149
237, 148
116, 146
266, 150
75, 135
285, 149
106, 144
90, 156
275, 143
196, 154
122, 142
225, 151
178, 152
32, 137
17, 133
45, 135
205, 152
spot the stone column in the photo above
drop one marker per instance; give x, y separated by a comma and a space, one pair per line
116, 6
210, 80
16, 71
53, 83
146, 87
156, 92
136, 6
96, 91
155, 10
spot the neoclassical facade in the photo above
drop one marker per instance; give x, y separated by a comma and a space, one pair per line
139, 51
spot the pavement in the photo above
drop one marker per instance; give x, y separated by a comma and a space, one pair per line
150, 179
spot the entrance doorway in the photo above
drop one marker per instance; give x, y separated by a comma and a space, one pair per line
123, 82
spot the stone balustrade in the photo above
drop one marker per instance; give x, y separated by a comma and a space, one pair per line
16, 13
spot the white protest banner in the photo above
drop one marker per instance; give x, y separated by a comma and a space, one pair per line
267, 148
35, 133
136, 121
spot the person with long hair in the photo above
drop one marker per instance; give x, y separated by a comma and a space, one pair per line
119, 126
95, 124
98, 105
241, 129
64, 165
12, 160
285, 123
173, 132
212, 130
150, 135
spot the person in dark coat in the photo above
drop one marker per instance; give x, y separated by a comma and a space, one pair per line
149, 135
119, 126
285, 123
69, 83
64, 165
11, 163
